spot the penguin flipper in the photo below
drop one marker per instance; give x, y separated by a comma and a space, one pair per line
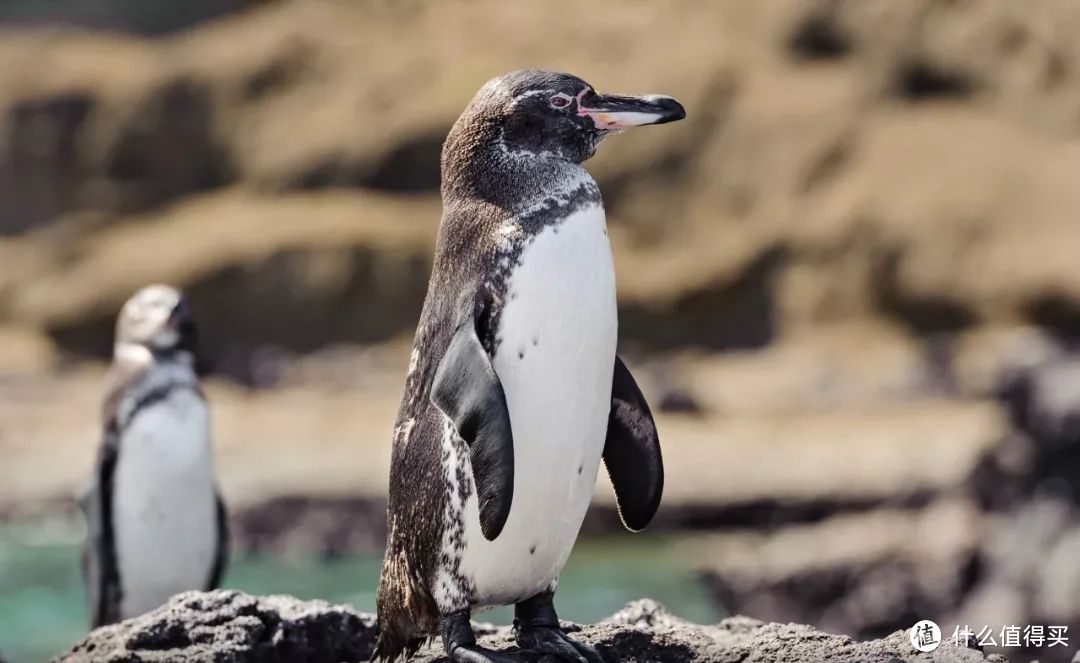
468, 391
632, 452
99, 565
222, 556
90, 504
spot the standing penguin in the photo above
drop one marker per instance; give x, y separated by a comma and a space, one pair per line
156, 524
514, 391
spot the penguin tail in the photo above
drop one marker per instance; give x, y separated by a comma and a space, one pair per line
407, 613
391, 647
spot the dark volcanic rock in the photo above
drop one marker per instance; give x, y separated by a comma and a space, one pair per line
1043, 454
231, 627
863, 574
1001, 549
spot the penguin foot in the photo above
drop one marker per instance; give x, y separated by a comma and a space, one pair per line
555, 642
478, 654
538, 629
459, 641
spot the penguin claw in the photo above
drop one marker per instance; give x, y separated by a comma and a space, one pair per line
478, 654
588, 651
554, 642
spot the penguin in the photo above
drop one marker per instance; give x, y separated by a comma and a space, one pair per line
156, 523
514, 392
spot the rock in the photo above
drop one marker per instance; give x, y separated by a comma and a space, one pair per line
1043, 400
1041, 454
347, 461
140, 18
1026, 573
228, 626
865, 574
312, 525
231, 627
305, 285
996, 547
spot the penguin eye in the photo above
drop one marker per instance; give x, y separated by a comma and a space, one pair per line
559, 100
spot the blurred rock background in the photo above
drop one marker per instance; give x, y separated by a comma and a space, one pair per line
850, 279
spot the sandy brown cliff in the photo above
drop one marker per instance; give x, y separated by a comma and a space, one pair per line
909, 163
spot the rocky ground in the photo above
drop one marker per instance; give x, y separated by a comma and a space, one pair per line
230, 627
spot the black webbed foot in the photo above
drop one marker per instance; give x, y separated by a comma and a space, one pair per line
478, 654
460, 642
557, 643
538, 629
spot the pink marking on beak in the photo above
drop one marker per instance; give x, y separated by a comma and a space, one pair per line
581, 109
600, 118
597, 114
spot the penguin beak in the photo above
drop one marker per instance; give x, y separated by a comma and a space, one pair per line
615, 112
180, 315
183, 324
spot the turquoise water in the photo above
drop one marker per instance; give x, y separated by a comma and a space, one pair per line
43, 612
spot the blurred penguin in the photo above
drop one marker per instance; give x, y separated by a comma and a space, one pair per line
156, 523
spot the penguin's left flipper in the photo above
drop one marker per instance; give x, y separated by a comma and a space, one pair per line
90, 503
632, 452
99, 563
468, 391
221, 557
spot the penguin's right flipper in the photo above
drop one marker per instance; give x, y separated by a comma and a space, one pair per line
467, 390
632, 452
221, 556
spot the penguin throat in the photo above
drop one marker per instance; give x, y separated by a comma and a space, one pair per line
508, 175
137, 354
576, 151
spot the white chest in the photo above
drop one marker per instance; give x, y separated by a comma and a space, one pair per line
164, 502
555, 359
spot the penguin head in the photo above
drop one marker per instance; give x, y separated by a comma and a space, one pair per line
158, 319
545, 113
